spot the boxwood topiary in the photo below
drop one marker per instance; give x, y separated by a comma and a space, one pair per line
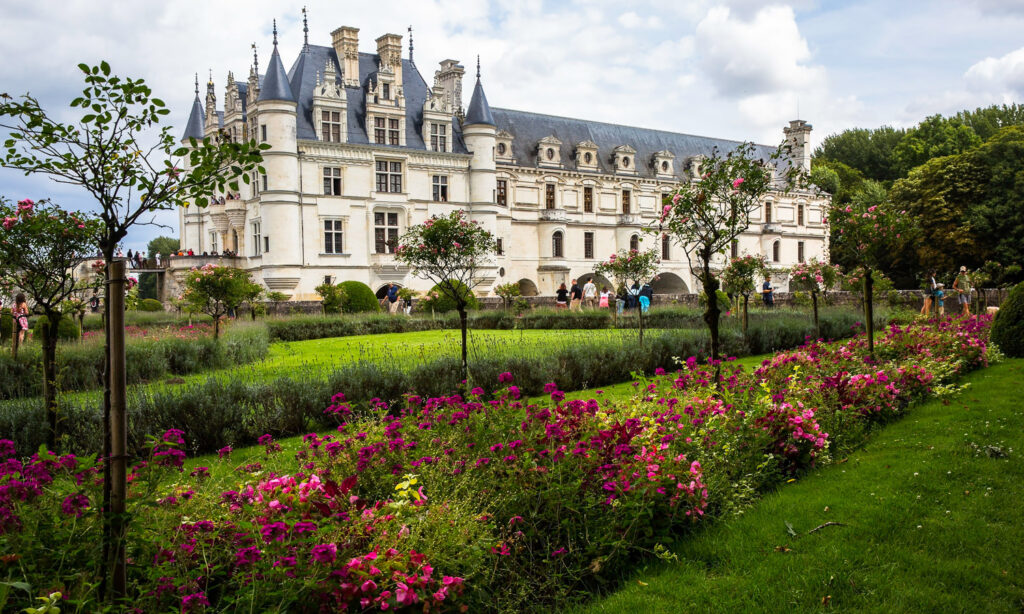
1008, 327
150, 304
359, 297
66, 330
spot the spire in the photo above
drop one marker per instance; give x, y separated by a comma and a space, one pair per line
255, 61
275, 84
410, 46
305, 32
479, 111
195, 128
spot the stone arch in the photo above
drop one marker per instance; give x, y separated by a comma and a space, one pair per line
669, 283
383, 290
599, 280
527, 287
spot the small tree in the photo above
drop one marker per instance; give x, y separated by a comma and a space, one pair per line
332, 297
508, 293
276, 297
217, 290
740, 276
706, 215
41, 245
629, 267
868, 234
814, 277
449, 251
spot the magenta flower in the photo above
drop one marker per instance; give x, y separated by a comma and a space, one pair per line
224, 452
196, 602
324, 553
504, 378
247, 556
75, 505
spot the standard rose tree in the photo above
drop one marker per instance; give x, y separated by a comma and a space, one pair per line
740, 277
815, 277
217, 290
449, 251
629, 268
41, 247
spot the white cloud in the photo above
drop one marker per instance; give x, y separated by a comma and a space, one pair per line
1001, 75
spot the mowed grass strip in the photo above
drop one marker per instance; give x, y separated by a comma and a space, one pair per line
931, 515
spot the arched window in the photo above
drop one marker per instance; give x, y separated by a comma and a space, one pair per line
556, 244
775, 251
634, 242
666, 245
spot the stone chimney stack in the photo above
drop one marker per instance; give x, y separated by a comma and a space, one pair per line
450, 78
389, 48
798, 135
346, 44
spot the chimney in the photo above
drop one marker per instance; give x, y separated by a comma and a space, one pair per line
450, 78
798, 135
389, 48
346, 45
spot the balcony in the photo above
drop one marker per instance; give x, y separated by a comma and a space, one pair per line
551, 215
771, 229
629, 219
196, 261
388, 267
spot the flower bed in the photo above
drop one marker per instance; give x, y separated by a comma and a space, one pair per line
483, 502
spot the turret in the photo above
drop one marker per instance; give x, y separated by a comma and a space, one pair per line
479, 133
279, 196
798, 136
188, 217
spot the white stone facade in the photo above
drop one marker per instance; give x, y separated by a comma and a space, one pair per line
334, 199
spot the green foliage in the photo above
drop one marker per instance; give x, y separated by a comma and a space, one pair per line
276, 296
440, 298
629, 267
814, 276
986, 122
359, 298
869, 152
934, 137
853, 281
165, 246
6, 324
1008, 327
332, 296
850, 179
724, 305
826, 178
508, 292
150, 304
215, 290
67, 330
741, 274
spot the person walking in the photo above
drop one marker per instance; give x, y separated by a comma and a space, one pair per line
929, 295
131, 260
156, 256
962, 285
561, 297
575, 297
20, 317
768, 294
392, 299
939, 294
590, 294
646, 297
605, 300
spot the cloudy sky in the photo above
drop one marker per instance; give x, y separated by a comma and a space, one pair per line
738, 69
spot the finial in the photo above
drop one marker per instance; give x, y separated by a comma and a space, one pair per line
478, 67
305, 30
255, 61
211, 77
275, 33
197, 85
410, 43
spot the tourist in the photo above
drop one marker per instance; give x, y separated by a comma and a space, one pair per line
768, 293
20, 316
929, 295
408, 303
962, 285
633, 296
590, 294
392, 299
94, 302
140, 259
561, 297
620, 300
575, 296
605, 299
119, 253
157, 258
191, 253
131, 260
939, 294
645, 297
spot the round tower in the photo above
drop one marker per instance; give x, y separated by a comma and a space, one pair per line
480, 134
190, 218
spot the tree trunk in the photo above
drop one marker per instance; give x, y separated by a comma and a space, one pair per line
640, 319
465, 363
118, 460
108, 259
50, 375
817, 326
746, 319
869, 312
711, 314
14, 337
216, 327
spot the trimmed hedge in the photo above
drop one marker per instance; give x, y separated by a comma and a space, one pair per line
1008, 326
151, 305
359, 298
67, 330
237, 410
80, 367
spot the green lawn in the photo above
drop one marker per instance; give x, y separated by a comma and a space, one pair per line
932, 521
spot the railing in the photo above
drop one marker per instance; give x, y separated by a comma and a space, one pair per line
196, 260
552, 215
771, 228
629, 219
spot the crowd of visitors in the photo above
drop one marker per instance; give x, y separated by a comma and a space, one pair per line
935, 293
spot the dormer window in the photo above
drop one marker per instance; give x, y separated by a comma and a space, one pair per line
625, 162
503, 146
586, 155
662, 163
549, 152
623, 158
385, 91
664, 166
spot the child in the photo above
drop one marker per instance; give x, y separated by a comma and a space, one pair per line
939, 293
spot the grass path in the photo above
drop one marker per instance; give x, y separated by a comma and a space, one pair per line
932, 521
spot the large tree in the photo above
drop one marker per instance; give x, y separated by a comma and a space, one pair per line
449, 251
111, 145
707, 214
934, 137
165, 246
41, 247
870, 152
986, 122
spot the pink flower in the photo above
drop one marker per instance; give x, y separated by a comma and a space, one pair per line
504, 378
368, 586
324, 553
675, 199
737, 183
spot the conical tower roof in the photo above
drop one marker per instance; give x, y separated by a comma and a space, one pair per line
479, 111
196, 126
275, 85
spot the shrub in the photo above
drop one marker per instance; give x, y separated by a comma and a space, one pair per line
437, 302
6, 324
1008, 327
359, 297
150, 304
332, 297
66, 329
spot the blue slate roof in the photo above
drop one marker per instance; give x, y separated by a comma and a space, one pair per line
195, 128
302, 79
479, 111
275, 86
529, 128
